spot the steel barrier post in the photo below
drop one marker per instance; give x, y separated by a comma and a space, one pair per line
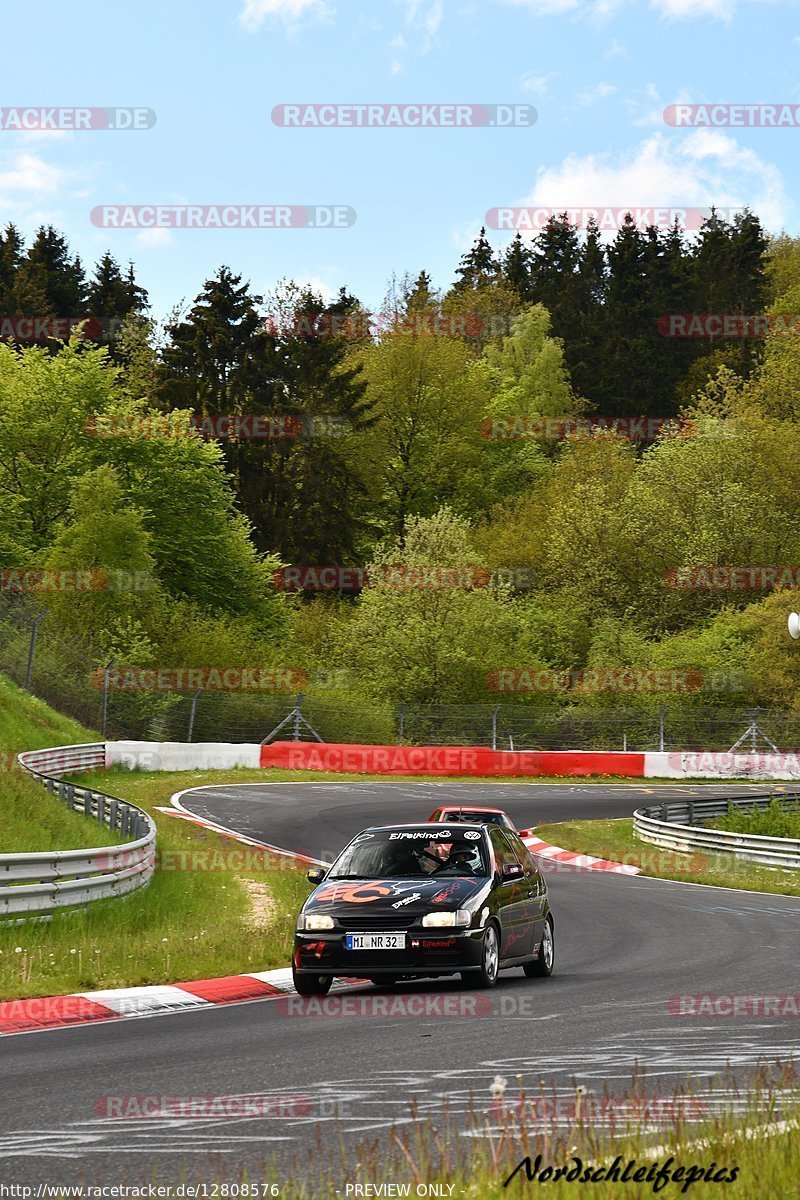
192, 711
32, 649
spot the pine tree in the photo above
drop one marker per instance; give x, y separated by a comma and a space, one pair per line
630, 325
479, 267
517, 266
110, 294
209, 363
49, 282
729, 277
556, 258
11, 249
712, 266
305, 502
422, 297
584, 341
111, 297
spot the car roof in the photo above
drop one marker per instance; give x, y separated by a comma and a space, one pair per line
434, 826
471, 808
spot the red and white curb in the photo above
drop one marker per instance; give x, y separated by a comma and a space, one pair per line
576, 862
81, 1008
183, 814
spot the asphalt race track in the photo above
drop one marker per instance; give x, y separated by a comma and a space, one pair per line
624, 946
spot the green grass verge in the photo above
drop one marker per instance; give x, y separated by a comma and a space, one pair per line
205, 913
779, 819
615, 840
30, 818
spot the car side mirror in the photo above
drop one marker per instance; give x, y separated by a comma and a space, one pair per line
512, 871
316, 875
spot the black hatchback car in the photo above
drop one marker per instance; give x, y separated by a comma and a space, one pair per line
409, 901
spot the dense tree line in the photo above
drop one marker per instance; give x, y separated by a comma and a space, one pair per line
378, 445
46, 282
605, 301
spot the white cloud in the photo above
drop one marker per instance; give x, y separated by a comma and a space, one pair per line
616, 50
703, 168
291, 12
423, 19
29, 173
44, 135
647, 107
322, 287
28, 186
599, 92
148, 238
545, 8
426, 17
537, 84
682, 10
598, 10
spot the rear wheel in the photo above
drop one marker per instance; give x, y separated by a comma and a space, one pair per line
311, 985
486, 975
545, 959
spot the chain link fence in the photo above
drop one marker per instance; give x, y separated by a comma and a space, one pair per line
38, 653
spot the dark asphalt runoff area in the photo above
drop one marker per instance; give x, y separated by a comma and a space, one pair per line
624, 947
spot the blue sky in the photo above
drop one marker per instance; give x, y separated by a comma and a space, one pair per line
599, 73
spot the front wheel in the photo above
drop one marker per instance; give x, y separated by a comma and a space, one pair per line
486, 975
545, 959
311, 985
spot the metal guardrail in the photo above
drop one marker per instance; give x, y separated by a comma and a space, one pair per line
46, 881
676, 827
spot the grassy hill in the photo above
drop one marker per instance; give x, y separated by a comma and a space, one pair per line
30, 818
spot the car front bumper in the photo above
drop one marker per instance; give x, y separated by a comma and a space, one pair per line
427, 952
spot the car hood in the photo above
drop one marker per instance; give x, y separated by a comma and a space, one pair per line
394, 895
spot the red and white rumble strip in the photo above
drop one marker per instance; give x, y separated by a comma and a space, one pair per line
576, 861
49, 1012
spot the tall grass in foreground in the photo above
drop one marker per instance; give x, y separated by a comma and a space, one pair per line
758, 1133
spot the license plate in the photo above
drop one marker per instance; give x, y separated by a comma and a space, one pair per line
375, 941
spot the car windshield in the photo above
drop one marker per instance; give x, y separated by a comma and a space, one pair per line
413, 854
491, 818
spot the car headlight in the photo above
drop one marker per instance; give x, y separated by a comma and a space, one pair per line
314, 921
446, 920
